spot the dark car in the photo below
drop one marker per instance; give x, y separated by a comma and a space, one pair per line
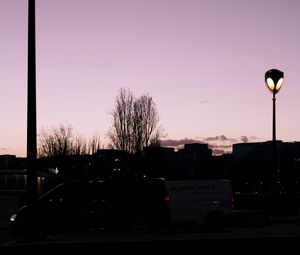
112, 204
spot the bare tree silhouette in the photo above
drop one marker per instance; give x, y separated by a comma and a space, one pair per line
135, 122
60, 141
94, 143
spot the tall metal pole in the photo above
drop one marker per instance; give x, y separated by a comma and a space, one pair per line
275, 159
31, 107
274, 145
274, 117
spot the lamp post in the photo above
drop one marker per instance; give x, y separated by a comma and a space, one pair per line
274, 82
31, 107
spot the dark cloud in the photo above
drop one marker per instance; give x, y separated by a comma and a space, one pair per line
222, 138
3, 149
219, 144
217, 149
205, 101
244, 139
219, 152
177, 143
247, 139
212, 138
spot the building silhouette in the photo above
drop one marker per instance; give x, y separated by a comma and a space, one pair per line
249, 167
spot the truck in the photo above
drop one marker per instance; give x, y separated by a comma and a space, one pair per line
205, 202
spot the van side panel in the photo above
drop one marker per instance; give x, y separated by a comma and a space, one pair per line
193, 200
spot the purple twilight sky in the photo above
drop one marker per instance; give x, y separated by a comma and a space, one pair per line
202, 61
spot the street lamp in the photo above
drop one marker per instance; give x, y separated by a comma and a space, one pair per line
274, 82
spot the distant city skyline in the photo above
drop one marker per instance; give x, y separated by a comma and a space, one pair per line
202, 61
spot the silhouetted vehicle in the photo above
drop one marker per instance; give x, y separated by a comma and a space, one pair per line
113, 204
205, 202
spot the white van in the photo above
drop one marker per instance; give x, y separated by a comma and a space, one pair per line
206, 202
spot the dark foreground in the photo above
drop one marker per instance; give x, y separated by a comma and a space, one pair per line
274, 238
270, 245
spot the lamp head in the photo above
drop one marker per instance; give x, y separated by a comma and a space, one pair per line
274, 80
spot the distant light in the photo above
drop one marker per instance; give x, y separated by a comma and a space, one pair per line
96, 181
168, 197
53, 170
13, 217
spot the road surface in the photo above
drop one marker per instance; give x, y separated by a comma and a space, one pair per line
283, 237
